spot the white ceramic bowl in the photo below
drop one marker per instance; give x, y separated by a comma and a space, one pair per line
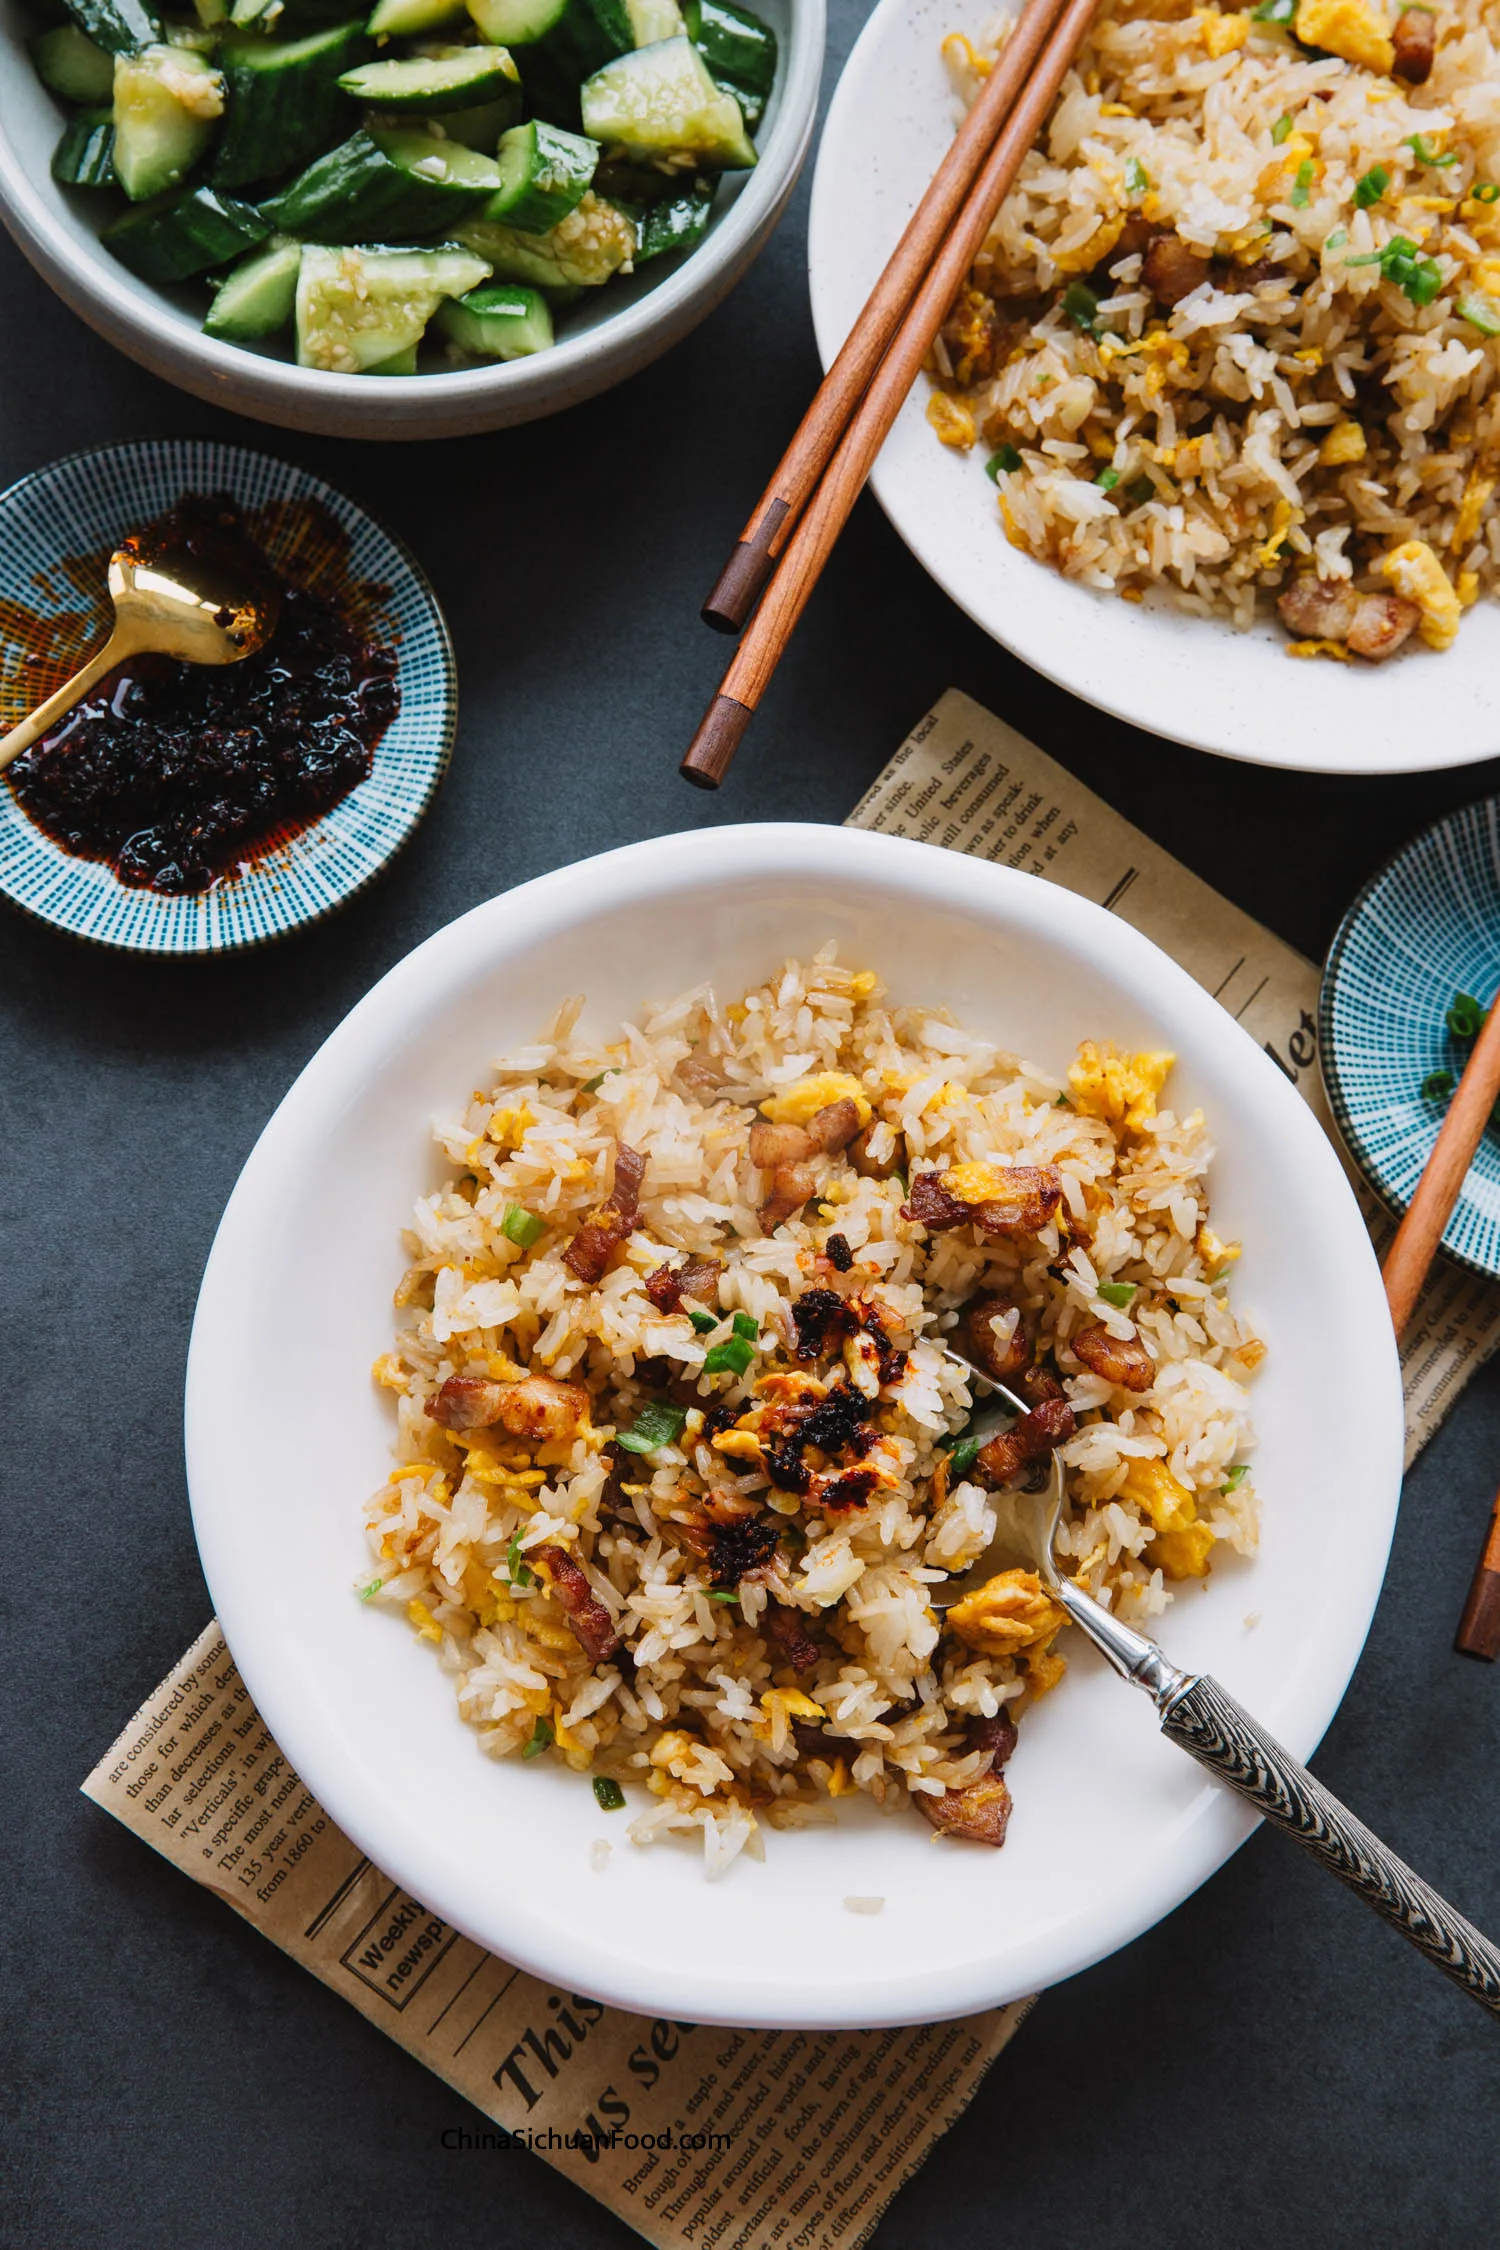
890, 120
286, 1435
631, 324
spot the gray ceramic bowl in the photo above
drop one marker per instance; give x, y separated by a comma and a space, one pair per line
633, 323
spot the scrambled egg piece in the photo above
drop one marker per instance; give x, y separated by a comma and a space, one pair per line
389, 1373
802, 1100
976, 1183
1347, 28
1335, 649
1184, 1553
1476, 498
1344, 442
952, 421
1095, 249
1414, 571
1283, 516
1161, 1497
739, 1445
423, 1623
1122, 1089
1222, 34
1007, 1614
507, 1127
1214, 1251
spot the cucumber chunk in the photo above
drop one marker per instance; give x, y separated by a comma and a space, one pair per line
118, 26
85, 156
258, 298
184, 233
578, 35
675, 222
661, 103
651, 20
283, 101
544, 174
167, 103
356, 308
431, 86
288, 19
69, 64
481, 126
211, 13
414, 19
387, 182
590, 244
499, 321
399, 363
735, 44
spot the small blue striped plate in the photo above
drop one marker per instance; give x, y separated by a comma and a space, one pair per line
58, 527
1423, 930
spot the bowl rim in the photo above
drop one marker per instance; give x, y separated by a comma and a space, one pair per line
95, 286
917, 876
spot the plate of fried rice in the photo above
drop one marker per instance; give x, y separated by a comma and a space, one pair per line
1212, 433
586, 1447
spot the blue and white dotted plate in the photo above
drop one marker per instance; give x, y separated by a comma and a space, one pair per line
57, 529
1423, 930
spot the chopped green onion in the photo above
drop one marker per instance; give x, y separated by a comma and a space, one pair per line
657, 1424
1301, 194
1486, 191
1136, 494
592, 1085
367, 1593
1281, 128
1481, 313
746, 1325
733, 1355
1369, 187
521, 1226
1002, 463
1137, 178
1236, 1477
1274, 11
963, 1456
541, 1739
1423, 151
1467, 1016
1081, 306
1437, 1085
1107, 479
515, 1570
1118, 1292
1419, 279
1337, 239
608, 1795
724, 1594
703, 1321
1423, 283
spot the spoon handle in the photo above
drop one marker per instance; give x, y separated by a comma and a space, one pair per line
1203, 1720
37, 722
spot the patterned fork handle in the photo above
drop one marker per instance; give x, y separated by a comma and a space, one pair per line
1202, 1719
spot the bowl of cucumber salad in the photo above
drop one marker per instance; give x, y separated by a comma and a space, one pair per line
435, 217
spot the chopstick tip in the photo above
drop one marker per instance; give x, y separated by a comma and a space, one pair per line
711, 752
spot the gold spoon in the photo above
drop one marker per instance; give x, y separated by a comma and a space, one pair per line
204, 600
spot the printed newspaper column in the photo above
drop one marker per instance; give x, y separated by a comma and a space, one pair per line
965, 780
693, 2135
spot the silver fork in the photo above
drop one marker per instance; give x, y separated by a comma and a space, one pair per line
1201, 1718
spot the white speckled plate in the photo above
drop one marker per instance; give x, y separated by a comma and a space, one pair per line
1197, 681
78, 509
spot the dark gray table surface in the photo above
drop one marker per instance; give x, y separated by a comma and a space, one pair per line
1270, 2065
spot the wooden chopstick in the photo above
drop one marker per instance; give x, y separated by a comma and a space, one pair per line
1407, 1265
713, 746
744, 576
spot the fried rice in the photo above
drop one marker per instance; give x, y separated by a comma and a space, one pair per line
1236, 331
683, 1445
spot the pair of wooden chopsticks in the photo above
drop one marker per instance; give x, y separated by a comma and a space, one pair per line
791, 534
1406, 1268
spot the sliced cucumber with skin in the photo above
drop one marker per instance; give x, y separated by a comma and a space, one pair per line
85, 156
674, 222
167, 103
382, 183
735, 44
69, 64
482, 126
118, 26
651, 20
211, 13
752, 105
283, 102
500, 321
399, 363
358, 307
184, 233
592, 243
660, 103
544, 174
430, 86
578, 35
414, 19
259, 297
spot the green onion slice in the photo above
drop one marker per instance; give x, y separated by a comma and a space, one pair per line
1481, 313
1274, 11
1337, 239
1424, 152
515, 1570
367, 1593
1281, 128
541, 1739
592, 1085
1002, 464
1118, 1292
1486, 191
1466, 1017
746, 1325
1437, 1085
723, 1594
521, 1226
961, 1459
1107, 479
1301, 194
1369, 187
733, 1356
658, 1423
1137, 178
608, 1795
1081, 306
1236, 1476
704, 1322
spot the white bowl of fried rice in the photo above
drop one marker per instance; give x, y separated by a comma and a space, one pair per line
577, 1448
1212, 436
